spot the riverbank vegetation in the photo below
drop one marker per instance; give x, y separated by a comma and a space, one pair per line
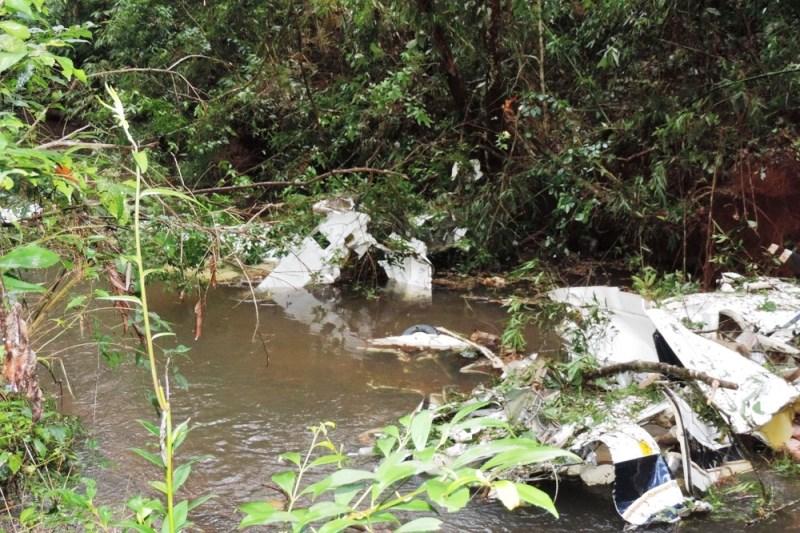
155, 139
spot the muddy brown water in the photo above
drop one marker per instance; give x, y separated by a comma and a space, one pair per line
252, 395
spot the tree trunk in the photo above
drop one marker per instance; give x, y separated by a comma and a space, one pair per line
455, 81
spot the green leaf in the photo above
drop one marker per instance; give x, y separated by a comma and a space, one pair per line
534, 496
349, 475
20, 6
17, 285
414, 505
421, 428
181, 511
181, 475
326, 460
149, 456
427, 523
292, 457
151, 428
14, 463
527, 456
29, 256
456, 500
467, 410
285, 480
197, 502
141, 161
160, 486
9, 59
340, 524
15, 29
76, 302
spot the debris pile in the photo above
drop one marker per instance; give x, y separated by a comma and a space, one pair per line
319, 257
681, 392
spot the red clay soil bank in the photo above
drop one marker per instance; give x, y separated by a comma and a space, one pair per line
768, 193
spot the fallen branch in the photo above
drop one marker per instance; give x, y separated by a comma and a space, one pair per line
301, 184
483, 350
662, 368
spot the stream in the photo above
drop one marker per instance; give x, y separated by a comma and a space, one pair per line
257, 381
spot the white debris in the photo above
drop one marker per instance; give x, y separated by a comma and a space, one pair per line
477, 173
636, 458
763, 402
318, 258
11, 215
624, 334
420, 342
411, 274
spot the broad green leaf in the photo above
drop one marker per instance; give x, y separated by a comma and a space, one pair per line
17, 285
456, 500
181, 512
256, 513
414, 505
322, 511
141, 161
527, 456
29, 256
534, 496
180, 476
386, 477
9, 59
506, 453
421, 428
506, 492
20, 6
160, 486
78, 301
292, 457
197, 502
467, 410
285, 480
349, 475
427, 523
15, 29
326, 460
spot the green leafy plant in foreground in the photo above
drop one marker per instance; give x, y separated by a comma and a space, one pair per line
149, 513
414, 475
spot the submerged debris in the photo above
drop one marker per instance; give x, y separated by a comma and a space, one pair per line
319, 257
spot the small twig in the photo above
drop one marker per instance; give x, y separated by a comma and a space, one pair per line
486, 352
662, 368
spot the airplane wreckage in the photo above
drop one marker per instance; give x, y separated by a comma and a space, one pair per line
723, 364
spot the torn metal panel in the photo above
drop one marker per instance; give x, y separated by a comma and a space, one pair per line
626, 335
312, 264
766, 304
644, 490
763, 402
410, 274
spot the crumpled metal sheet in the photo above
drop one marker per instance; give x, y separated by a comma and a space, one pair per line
763, 400
626, 336
644, 490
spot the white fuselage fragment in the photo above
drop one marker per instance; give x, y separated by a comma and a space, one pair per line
628, 333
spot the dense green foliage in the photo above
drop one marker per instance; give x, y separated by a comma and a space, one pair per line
550, 130
599, 125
